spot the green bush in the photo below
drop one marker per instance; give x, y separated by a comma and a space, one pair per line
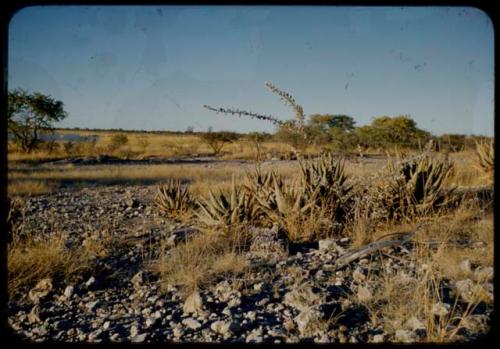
117, 141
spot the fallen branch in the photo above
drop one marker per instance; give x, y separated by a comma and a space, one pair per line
352, 256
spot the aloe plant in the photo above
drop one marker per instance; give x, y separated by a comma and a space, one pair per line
220, 210
485, 155
417, 186
173, 198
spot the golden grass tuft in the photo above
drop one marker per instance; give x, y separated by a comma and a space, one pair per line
29, 187
397, 297
202, 259
31, 259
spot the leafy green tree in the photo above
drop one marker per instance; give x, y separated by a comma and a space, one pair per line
30, 114
386, 131
328, 121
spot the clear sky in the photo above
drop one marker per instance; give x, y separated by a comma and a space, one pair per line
153, 68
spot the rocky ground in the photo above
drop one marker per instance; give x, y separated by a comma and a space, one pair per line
285, 297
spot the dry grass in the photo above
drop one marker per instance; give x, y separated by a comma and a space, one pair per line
32, 259
397, 298
200, 177
29, 187
198, 262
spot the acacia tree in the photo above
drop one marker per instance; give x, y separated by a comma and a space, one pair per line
29, 114
216, 140
387, 131
343, 123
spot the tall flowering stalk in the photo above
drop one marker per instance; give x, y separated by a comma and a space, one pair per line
246, 113
290, 101
296, 126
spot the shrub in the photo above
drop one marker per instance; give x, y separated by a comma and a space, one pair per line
69, 147
257, 139
217, 140
117, 141
50, 146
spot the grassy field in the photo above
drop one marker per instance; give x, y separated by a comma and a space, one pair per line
219, 251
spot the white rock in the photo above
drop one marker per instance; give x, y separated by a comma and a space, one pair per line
194, 304
90, 282
364, 294
34, 315
483, 274
404, 336
309, 322
92, 305
223, 290
441, 309
234, 302
225, 328
133, 330
466, 290
41, 290
191, 323
68, 291
139, 338
258, 287
465, 266
138, 279
414, 324
256, 336
302, 297
326, 244
378, 338
151, 321
178, 332
358, 275
251, 315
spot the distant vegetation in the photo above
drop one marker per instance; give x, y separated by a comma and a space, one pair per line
33, 115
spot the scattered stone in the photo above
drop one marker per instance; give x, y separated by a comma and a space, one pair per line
441, 309
138, 279
358, 275
40, 291
191, 323
310, 322
92, 305
90, 284
482, 274
404, 336
68, 291
255, 336
139, 338
364, 294
465, 267
302, 297
326, 244
225, 328
378, 338
35, 315
194, 304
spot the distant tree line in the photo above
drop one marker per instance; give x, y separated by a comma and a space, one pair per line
32, 114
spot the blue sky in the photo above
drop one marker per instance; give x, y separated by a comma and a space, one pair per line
153, 68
